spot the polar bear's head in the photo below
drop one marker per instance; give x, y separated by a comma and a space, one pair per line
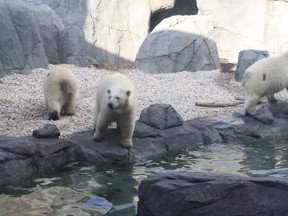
118, 98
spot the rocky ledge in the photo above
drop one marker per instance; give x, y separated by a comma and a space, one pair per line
185, 194
160, 129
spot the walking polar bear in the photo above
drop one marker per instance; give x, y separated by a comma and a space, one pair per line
60, 91
116, 101
264, 78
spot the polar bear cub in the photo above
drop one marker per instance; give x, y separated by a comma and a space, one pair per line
60, 91
264, 78
116, 101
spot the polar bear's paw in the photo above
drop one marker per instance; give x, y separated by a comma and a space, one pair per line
126, 143
98, 137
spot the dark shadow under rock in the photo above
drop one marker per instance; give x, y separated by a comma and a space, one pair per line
185, 194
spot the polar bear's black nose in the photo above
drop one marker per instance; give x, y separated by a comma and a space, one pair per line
110, 105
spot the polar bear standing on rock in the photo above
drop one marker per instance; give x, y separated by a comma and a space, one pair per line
116, 101
60, 91
264, 78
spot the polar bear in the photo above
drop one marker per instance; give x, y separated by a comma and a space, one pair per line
116, 101
264, 78
60, 91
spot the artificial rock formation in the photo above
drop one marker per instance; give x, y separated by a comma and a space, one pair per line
209, 194
22, 157
179, 43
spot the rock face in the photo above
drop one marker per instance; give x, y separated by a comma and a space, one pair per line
179, 43
22, 157
179, 7
242, 26
246, 58
85, 31
185, 194
31, 29
28, 36
113, 30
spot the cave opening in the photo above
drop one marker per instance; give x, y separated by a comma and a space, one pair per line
181, 7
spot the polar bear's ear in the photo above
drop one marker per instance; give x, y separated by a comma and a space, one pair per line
128, 92
108, 91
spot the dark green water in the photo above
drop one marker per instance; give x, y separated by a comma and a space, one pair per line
112, 189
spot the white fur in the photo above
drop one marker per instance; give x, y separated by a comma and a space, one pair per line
118, 92
60, 91
264, 78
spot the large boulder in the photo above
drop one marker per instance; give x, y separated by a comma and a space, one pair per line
28, 36
209, 194
72, 47
161, 116
246, 58
179, 43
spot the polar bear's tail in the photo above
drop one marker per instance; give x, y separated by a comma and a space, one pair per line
66, 87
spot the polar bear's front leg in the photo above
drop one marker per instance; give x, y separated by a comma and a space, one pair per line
101, 127
126, 128
250, 103
54, 109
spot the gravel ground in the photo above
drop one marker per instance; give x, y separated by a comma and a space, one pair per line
22, 107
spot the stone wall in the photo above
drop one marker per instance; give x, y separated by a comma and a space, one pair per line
111, 32
259, 24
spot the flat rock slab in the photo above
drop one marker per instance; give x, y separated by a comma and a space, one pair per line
210, 194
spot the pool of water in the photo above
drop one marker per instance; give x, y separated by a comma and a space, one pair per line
112, 189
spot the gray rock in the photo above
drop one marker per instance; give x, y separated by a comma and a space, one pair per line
185, 194
161, 116
11, 52
148, 142
264, 115
72, 46
17, 146
179, 43
22, 157
246, 58
29, 36
15, 170
48, 131
210, 134
181, 138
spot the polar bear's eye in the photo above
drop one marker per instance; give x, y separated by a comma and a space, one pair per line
117, 98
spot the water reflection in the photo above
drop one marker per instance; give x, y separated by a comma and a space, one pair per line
112, 189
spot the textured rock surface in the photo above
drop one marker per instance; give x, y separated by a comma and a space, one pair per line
161, 116
179, 43
246, 58
28, 36
250, 24
113, 31
116, 39
48, 131
185, 194
23, 156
